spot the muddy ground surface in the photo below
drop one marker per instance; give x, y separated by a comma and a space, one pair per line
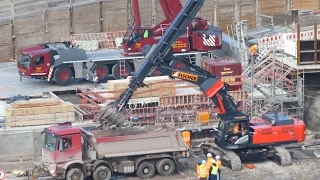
306, 167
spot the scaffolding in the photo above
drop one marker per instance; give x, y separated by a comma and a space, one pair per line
271, 86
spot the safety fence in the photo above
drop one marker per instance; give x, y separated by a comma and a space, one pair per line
281, 40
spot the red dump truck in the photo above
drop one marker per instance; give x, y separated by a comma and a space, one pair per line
73, 153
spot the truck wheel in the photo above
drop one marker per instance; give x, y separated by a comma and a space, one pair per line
165, 167
145, 170
62, 75
119, 74
102, 72
75, 174
102, 173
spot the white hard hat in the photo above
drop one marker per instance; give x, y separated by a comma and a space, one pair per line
209, 155
217, 157
203, 161
213, 161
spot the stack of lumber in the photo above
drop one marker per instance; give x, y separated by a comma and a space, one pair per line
160, 85
39, 112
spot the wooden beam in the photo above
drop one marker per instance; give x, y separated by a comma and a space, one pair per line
101, 24
46, 19
153, 13
13, 41
71, 30
315, 44
298, 44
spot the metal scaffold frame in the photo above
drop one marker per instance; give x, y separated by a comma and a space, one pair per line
271, 86
178, 109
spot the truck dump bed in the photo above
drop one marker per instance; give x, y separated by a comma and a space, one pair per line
139, 144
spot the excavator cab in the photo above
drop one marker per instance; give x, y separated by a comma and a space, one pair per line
233, 133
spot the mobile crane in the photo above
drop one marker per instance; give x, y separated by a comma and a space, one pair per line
198, 35
260, 138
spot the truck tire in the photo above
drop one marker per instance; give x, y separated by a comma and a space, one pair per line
116, 70
102, 173
102, 72
165, 167
145, 170
75, 174
62, 75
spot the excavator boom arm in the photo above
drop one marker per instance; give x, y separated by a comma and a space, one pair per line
212, 86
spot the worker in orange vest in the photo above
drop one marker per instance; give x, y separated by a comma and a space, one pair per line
236, 128
253, 49
219, 164
203, 171
209, 160
186, 135
198, 166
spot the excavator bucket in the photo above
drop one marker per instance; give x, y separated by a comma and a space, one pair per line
109, 117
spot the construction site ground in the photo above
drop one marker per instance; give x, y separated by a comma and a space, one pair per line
303, 167
305, 164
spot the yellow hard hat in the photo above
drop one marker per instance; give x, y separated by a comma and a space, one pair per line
255, 46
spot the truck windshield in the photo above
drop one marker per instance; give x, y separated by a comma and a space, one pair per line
24, 60
50, 141
127, 34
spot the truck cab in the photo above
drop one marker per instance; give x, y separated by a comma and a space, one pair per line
62, 146
34, 64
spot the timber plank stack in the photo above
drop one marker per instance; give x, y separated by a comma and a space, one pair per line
39, 112
160, 85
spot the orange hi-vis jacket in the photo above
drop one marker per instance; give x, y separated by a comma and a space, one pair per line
252, 50
203, 171
209, 162
219, 164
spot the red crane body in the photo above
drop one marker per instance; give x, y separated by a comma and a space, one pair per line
199, 36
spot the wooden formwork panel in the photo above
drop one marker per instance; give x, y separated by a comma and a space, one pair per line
58, 24
305, 4
206, 11
86, 18
29, 30
146, 12
160, 16
272, 8
42, 119
115, 15
6, 42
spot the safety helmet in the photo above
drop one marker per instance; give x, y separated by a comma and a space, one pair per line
217, 157
213, 161
203, 161
255, 46
200, 161
209, 155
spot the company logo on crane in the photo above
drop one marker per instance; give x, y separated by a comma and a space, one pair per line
186, 76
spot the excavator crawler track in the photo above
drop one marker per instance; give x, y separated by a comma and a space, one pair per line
230, 158
282, 156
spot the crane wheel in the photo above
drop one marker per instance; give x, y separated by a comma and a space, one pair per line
102, 173
102, 72
145, 170
75, 174
165, 167
62, 75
